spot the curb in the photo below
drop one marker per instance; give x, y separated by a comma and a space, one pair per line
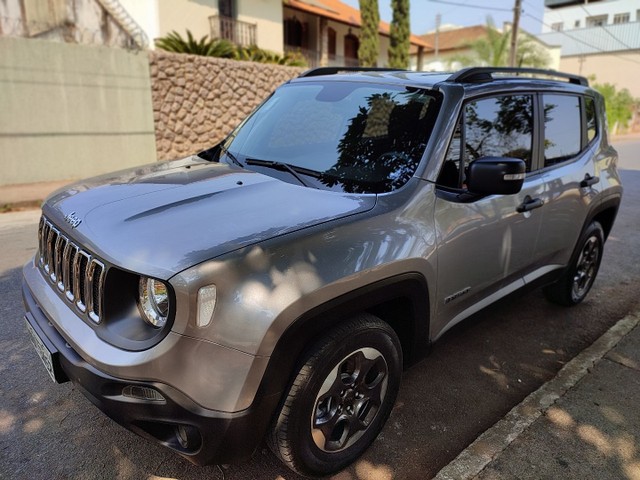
490, 444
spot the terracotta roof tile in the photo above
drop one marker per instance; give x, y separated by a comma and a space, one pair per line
343, 13
457, 38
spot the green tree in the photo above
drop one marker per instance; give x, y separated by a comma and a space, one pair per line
368, 49
493, 50
400, 33
619, 105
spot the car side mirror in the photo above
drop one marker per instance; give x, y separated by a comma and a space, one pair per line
496, 176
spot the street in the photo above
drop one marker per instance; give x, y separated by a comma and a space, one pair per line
475, 374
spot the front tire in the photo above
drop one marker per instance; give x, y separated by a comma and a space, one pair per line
575, 283
340, 398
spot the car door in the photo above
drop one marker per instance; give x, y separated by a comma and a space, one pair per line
485, 242
569, 150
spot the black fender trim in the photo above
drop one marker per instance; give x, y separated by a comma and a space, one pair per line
306, 329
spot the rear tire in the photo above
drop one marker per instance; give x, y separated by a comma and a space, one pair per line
575, 283
340, 398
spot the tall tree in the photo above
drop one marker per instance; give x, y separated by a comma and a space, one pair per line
368, 49
400, 33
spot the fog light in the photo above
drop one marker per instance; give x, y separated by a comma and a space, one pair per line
142, 393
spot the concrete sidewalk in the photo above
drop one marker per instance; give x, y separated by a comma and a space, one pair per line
582, 424
29, 192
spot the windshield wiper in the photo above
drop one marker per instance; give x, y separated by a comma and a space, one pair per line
231, 156
292, 169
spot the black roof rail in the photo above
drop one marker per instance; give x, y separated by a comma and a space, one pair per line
483, 74
316, 72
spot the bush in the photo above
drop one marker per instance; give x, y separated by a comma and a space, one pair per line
619, 104
221, 48
173, 42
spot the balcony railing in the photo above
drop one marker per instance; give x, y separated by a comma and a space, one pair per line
240, 33
314, 58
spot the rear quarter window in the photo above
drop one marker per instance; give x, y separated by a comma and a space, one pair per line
592, 118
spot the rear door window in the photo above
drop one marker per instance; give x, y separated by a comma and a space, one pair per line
562, 128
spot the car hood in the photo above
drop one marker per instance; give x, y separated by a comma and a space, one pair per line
163, 218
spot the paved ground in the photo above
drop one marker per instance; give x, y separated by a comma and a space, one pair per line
580, 424
591, 432
475, 375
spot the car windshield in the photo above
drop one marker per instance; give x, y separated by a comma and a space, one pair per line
346, 136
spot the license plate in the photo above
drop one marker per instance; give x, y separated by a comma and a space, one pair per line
43, 352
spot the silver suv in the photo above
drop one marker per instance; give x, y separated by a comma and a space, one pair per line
277, 284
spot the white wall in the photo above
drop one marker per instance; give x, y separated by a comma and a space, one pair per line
72, 111
159, 17
145, 13
268, 15
569, 15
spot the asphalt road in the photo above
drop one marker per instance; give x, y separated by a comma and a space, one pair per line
475, 374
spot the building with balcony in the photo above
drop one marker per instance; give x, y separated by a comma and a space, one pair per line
244, 22
327, 33
598, 38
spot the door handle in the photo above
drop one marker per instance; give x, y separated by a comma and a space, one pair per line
530, 204
589, 180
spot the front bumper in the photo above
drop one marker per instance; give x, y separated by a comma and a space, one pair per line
201, 435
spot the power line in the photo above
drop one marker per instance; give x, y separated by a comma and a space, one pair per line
582, 41
607, 31
482, 7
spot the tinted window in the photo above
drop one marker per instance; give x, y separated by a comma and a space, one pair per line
494, 127
500, 127
562, 127
592, 123
359, 138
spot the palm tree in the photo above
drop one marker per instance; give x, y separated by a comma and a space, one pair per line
493, 50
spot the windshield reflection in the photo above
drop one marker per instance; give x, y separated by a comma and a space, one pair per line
351, 137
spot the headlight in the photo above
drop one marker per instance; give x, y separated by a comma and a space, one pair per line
154, 301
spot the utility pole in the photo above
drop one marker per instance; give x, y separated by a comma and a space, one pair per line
437, 42
514, 33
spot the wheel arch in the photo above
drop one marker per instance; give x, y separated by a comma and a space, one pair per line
605, 214
402, 301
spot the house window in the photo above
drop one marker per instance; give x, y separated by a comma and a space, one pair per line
351, 45
621, 18
331, 47
227, 8
293, 32
577, 24
556, 27
597, 21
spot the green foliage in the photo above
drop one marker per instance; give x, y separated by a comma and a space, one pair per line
619, 105
369, 48
493, 50
253, 53
400, 35
173, 42
221, 48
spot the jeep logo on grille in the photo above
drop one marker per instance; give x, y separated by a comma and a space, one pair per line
72, 219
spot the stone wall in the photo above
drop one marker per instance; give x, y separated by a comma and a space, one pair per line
198, 100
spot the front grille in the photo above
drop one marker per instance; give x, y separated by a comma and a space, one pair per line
74, 272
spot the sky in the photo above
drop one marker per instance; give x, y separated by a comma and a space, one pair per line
423, 13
